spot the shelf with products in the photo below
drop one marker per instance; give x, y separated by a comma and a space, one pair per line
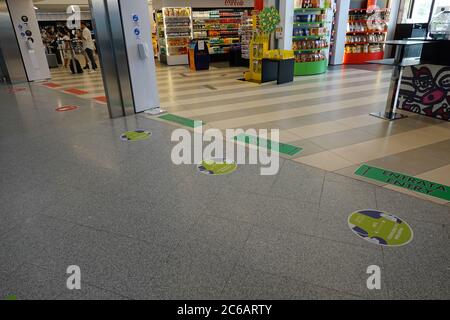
366, 28
175, 33
246, 30
259, 45
311, 36
220, 27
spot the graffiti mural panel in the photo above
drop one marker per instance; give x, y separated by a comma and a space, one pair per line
425, 90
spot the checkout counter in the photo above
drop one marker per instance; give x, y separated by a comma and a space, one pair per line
420, 84
425, 86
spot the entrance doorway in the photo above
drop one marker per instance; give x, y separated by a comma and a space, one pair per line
71, 53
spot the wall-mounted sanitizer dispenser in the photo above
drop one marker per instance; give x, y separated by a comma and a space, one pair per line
144, 51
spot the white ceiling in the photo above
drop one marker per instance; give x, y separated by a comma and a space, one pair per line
59, 5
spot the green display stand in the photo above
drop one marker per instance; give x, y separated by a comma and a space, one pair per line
310, 68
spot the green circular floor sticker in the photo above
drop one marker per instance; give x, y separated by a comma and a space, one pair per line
217, 166
380, 228
135, 135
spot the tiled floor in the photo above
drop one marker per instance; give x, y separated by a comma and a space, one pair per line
140, 227
326, 115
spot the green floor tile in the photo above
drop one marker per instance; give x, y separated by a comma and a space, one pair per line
283, 148
180, 120
404, 181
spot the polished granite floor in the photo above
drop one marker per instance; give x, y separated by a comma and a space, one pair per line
139, 227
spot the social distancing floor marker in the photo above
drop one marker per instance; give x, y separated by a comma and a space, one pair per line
136, 135
380, 228
287, 149
404, 181
181, 120
66, 108
217, 167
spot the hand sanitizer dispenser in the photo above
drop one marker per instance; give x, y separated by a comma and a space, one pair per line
144, 52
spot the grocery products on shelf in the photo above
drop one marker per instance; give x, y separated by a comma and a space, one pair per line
309, 57
246, 30
311, 36
220, 27
366, 28
174, 29
307, 4
259, 45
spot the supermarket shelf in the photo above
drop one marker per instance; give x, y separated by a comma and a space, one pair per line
310, 23
309, 37
364, 10
178, 17
300, 10
356, 43
309, 50
310, 68
364, 21
366, 32
222, 44
178, 37
362, 58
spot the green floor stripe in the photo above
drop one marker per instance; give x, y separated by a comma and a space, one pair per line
180, 120
404, 181
284, 148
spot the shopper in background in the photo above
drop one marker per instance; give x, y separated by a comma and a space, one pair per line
88, 45
64, 37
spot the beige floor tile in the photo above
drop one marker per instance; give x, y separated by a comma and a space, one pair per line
439, 175
325, 160
417, 194
378, 148
318, 129
287, 89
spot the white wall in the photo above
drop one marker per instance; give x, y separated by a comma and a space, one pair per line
34, 59
287, 21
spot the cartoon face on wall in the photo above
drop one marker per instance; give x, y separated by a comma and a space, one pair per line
426, 90
423, 79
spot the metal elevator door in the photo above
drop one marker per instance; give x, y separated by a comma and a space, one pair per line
11, 63
107, 23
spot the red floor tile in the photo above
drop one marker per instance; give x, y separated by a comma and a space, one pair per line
51, 85
76, 91
101, 99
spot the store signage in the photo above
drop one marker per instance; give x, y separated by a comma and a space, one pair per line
136, 135
234, 3
206, 3
380, 228
404, 181
217, 167
66, 108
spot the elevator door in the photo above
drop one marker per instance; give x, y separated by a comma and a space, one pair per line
11, 63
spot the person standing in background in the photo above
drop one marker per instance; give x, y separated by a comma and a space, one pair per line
88, 44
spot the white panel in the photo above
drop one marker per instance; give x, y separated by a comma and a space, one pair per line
287, 21
34, 57
142, 70
341, 20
